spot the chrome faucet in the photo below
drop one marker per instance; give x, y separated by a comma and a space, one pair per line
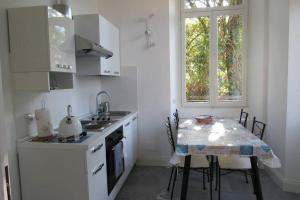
103, 108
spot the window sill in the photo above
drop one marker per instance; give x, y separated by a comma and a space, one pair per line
211, 105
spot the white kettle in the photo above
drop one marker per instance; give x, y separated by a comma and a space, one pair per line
70, 125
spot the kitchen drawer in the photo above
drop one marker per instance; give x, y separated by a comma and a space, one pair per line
96, 154
96, 166
98, 182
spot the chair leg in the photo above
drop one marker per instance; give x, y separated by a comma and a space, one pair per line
203, 178
170, 179
254, 189
246, 176
174, 181
208, 175
208, 171
217, 177
219, 183
211, 177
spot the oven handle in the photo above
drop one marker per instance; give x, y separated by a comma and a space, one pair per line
118, 143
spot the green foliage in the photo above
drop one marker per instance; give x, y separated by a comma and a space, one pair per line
230, 35
197, 58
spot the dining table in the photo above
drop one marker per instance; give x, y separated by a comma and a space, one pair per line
222, 137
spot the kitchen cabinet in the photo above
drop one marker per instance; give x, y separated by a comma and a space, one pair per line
96, 28
97, 176
130, 134
63, 171
42, 48
68, 171
135, 137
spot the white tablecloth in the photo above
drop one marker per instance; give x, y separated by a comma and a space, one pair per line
222, 137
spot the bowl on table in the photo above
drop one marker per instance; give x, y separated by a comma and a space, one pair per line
204, 119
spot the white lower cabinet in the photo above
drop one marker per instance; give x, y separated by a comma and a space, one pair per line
135, 138
130, 146
51, 171
97, 173
63, 171
127, 128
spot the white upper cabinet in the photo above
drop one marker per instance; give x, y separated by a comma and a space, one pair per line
41, 40
97, 29
42, 49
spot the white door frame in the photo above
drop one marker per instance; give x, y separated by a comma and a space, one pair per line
3, 160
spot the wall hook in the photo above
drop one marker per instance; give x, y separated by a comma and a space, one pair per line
149, 31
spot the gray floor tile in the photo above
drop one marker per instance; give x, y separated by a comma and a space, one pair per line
149, 183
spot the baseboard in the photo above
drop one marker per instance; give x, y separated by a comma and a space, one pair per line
275, 176
291, 186
286, 185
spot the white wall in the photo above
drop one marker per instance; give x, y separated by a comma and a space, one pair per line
257, 68
283, 92
123, 89
153, 69
293, 99
175, 53
17, 104
277, 77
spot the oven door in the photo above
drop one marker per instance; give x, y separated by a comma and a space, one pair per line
114, 159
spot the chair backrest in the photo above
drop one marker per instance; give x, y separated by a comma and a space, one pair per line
258, 128
176, 119
170, 134
243, 118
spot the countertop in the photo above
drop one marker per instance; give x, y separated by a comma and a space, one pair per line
93, 136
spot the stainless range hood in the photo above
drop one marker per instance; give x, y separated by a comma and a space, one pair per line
85, 47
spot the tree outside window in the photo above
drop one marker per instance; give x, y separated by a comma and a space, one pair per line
214, 56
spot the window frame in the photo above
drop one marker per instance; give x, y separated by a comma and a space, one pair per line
213, 13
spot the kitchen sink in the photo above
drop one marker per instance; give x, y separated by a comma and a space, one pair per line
96, 125
93, 123
119, 113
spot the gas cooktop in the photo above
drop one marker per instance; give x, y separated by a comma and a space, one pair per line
56, 139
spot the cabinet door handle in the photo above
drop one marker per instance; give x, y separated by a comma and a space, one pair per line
97, 148
134, 119
116, 72
98, 169
106, 71
127, 124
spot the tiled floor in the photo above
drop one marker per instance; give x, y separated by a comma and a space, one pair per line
149, 183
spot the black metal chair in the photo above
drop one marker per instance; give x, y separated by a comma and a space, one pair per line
243, 118
258, 128
176, 119
197, 162
236, 163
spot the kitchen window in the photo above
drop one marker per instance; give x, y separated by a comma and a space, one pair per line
214, 52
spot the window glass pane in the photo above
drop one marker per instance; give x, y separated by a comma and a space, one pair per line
230, 40
211, 3
197, 59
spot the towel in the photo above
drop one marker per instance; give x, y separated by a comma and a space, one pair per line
119, 157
